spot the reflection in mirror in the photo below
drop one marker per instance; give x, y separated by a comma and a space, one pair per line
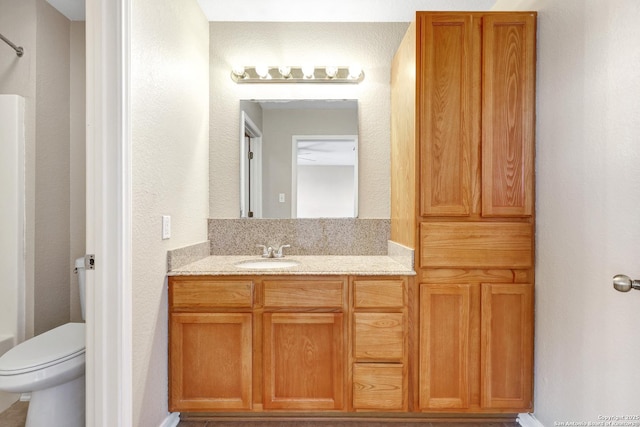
299, 159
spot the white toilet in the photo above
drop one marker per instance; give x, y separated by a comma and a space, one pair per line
51, 367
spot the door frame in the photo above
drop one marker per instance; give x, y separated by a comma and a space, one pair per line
109, 397
247, 126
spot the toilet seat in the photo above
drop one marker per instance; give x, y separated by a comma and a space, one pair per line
50, 348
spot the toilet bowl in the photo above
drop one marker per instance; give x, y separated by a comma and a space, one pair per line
50, 366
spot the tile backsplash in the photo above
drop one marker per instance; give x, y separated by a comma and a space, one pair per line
322, 236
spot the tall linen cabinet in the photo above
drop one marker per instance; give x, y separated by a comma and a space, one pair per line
462, 195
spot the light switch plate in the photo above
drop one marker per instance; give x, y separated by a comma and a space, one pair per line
166, 227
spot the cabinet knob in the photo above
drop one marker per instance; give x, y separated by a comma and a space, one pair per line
624, 283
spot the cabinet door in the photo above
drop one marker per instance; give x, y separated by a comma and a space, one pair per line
508, 114
445, 312
507, 346
210, 361
303, 361
448, 117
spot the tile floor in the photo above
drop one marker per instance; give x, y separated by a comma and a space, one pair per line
16, 415
329, 423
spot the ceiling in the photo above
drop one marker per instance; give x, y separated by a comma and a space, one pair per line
306, 10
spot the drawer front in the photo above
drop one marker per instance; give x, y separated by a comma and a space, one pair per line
476, 245
379, 337
378, 386
304, 294
204, 294
378, 293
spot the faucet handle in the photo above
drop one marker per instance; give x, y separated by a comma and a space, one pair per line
265, 251
279, 253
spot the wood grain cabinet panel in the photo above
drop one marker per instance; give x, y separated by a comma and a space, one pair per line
210, 361
378, 386
303, 361
476, 244
448, 103
317, 293
378, 293
199, 294
508, 114
445, 312
379, 337
507, 345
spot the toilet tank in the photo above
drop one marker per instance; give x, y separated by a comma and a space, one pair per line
79, 269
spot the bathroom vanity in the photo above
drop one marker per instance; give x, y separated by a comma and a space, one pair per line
331, 336
452, 336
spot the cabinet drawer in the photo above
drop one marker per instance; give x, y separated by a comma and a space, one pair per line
378, 293
476, 245
306, 294
378, 337
378, 386
202, 294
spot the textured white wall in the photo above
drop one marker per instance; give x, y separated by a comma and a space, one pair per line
370, 44
588, 198
170, 138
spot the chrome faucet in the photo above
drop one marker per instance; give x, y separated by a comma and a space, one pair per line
279, 253
270, 252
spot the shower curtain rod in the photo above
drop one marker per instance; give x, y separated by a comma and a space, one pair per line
19, 50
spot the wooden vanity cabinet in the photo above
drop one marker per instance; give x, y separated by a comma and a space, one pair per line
304, 343
462, 195
475, 113
288, 343
380, 344
210, 343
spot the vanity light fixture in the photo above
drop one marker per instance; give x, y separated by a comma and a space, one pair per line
296, 74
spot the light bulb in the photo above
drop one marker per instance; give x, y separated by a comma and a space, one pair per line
331, 71
355, 71
308, 71
285, 71
262, 71
238, 71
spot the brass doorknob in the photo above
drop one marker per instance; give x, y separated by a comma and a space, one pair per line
624, 283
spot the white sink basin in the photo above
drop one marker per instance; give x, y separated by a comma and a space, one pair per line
263, 264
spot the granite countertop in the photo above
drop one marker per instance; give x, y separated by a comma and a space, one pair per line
308, 265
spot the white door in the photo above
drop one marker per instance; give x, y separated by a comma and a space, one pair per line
108, 316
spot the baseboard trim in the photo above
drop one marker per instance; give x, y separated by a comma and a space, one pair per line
172, 420
528, 420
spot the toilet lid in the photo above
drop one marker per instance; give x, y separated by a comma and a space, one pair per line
50, 348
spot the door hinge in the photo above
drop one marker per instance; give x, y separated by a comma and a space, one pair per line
250, 155
90, 262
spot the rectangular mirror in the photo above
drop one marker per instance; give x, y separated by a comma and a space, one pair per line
298, 158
